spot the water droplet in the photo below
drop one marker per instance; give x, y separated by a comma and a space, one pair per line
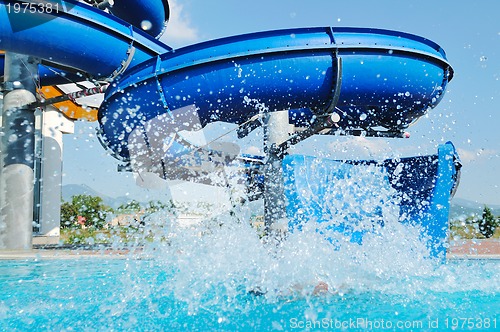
335, 117
146, 25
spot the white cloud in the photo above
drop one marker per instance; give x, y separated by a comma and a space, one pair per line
360, 147
180, 31
470, 156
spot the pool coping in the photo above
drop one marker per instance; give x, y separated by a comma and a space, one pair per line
58, 256
38, 254
476, 249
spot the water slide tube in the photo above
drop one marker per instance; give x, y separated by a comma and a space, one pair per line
151, 16
77, 39
388, 79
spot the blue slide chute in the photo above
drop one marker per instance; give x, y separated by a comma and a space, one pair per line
389, 79
150, 16
77, 38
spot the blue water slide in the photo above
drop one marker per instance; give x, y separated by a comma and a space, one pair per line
389, 79
76, 38
151, 16
370, 78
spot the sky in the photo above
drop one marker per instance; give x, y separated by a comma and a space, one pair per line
468, 115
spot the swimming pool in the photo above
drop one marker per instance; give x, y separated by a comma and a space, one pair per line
193, 283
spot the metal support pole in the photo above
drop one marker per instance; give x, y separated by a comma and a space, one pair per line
53, 126
276, 131
17, 152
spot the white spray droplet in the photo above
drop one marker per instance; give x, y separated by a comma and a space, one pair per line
146, 25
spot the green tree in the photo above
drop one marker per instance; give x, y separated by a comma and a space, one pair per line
69, 215
487, 223
154, 206
90, 210
133, 205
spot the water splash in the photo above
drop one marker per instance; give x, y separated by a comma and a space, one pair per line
223, 271
208, 276
220, 271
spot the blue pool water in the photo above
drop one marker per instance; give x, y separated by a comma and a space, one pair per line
202, 282
100, 294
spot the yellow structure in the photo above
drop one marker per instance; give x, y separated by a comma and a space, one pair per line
69, 108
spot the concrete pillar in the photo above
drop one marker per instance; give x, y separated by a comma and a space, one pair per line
2, 224
53, 126
276, 131
17, 152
